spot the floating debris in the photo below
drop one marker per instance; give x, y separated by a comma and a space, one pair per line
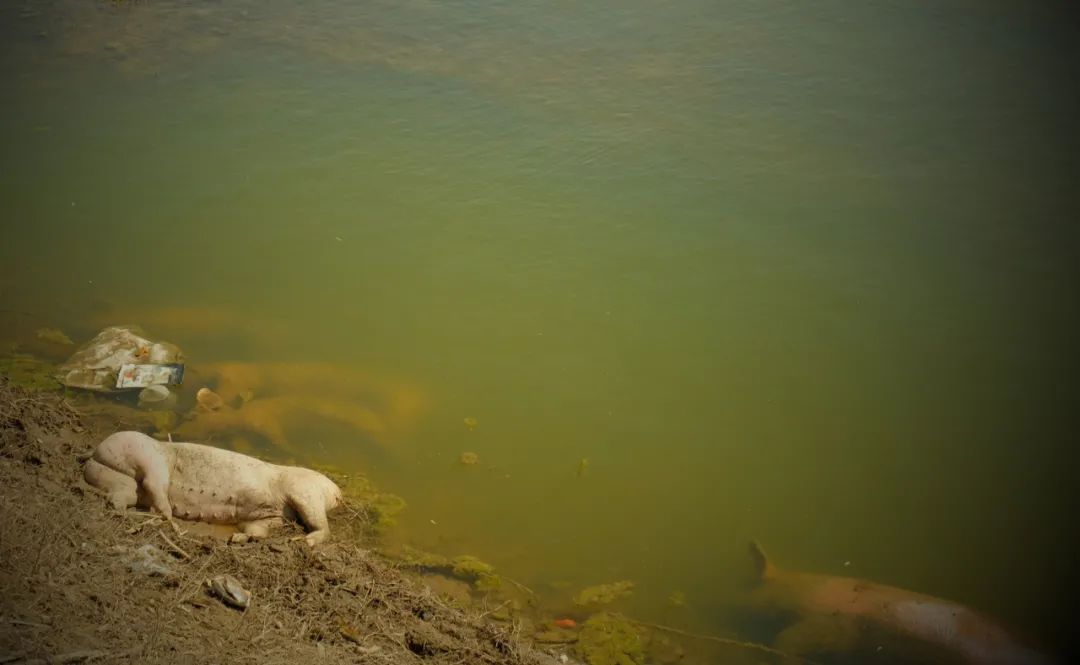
471, 422
677, 599
582, 467
469, 459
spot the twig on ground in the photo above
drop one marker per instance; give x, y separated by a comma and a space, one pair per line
176, 548
31, 624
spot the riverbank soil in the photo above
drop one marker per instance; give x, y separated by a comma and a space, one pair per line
83, 582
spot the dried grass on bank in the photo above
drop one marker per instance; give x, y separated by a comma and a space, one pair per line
68, 594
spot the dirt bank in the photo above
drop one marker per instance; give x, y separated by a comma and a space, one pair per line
82, 582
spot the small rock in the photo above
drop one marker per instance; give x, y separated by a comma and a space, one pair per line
209, 400
239, 538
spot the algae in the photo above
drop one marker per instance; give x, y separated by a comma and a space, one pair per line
30, 373
480, 574
53, 335
382, 507
608, 639
603, 594
413, 557
385, 508
466, 567
163, 421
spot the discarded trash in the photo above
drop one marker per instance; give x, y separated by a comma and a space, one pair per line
156, 397
229, 590
582, 467
149, 560
565, 623
96, 365
468, 459
141, 376
208, 399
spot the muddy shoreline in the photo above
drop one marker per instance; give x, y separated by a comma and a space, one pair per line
74, 589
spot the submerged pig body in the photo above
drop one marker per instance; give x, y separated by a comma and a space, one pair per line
831, 610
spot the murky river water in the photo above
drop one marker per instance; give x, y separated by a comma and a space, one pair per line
786, 271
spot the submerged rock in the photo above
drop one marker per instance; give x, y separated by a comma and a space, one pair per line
209, 400
156, 397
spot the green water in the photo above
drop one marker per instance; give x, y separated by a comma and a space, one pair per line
799, 272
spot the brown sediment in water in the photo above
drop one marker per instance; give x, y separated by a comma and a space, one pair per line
69, 591
271, 419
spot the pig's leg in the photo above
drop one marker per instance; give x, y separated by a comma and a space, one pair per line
137, 455
311, 510
122, 490
156, 484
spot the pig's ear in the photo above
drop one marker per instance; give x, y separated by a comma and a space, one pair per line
762, 565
